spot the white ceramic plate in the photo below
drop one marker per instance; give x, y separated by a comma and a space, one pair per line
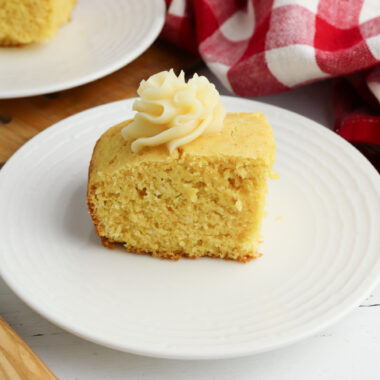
102, 37
321, 250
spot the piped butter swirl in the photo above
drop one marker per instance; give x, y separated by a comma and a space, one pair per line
173, 112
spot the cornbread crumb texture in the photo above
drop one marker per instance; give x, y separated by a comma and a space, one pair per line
26, 21
206, 199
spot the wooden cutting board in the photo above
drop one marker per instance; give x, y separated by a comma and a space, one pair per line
17, 360
21, 119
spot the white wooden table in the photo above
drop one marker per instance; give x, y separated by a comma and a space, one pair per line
348, 350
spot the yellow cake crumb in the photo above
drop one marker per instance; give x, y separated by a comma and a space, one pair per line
26, 21
205, 199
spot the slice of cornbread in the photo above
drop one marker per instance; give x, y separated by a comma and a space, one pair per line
26, 21
205, 199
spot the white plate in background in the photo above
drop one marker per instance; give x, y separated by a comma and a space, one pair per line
321, 251
101, 37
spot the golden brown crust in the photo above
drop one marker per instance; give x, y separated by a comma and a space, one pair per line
90, 205
9, 43
175, 256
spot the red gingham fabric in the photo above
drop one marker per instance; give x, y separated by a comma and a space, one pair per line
260, 47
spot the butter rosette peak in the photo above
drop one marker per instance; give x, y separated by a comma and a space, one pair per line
174, 112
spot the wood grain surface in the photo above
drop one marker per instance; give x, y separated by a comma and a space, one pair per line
17, 360
22, 118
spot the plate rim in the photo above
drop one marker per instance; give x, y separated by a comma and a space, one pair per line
157, 25
191, 355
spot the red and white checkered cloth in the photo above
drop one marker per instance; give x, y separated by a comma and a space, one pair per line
260, 47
